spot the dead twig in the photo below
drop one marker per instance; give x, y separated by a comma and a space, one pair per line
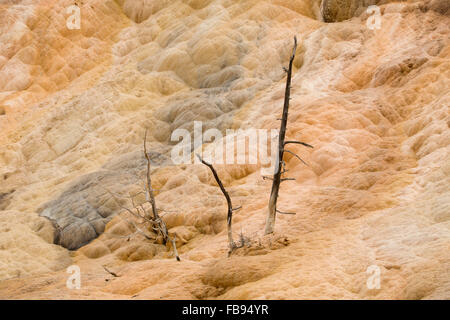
288, 151
298, 142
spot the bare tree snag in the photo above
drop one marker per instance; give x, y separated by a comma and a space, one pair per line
231, 243
160, 227
148, 222
280, 165
150, 194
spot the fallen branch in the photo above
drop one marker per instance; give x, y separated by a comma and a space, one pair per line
110, 272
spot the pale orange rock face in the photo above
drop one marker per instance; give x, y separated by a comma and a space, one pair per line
74, 105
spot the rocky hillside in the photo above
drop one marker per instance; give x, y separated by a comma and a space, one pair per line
370, 92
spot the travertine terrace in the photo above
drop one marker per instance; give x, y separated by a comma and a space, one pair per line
374, 103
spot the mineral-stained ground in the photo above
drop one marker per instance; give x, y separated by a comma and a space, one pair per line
374, 103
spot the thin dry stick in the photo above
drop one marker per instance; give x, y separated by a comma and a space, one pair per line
231, 243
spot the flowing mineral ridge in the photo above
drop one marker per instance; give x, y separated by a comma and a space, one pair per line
370, 91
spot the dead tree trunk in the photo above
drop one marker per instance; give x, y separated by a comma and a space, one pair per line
231, 243
149, 223
160, 226
279, 169
150, 194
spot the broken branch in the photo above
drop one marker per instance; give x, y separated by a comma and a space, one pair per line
299, 142
296, 156
281, 212
287, 179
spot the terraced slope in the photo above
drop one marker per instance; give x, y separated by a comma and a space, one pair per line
74, 105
